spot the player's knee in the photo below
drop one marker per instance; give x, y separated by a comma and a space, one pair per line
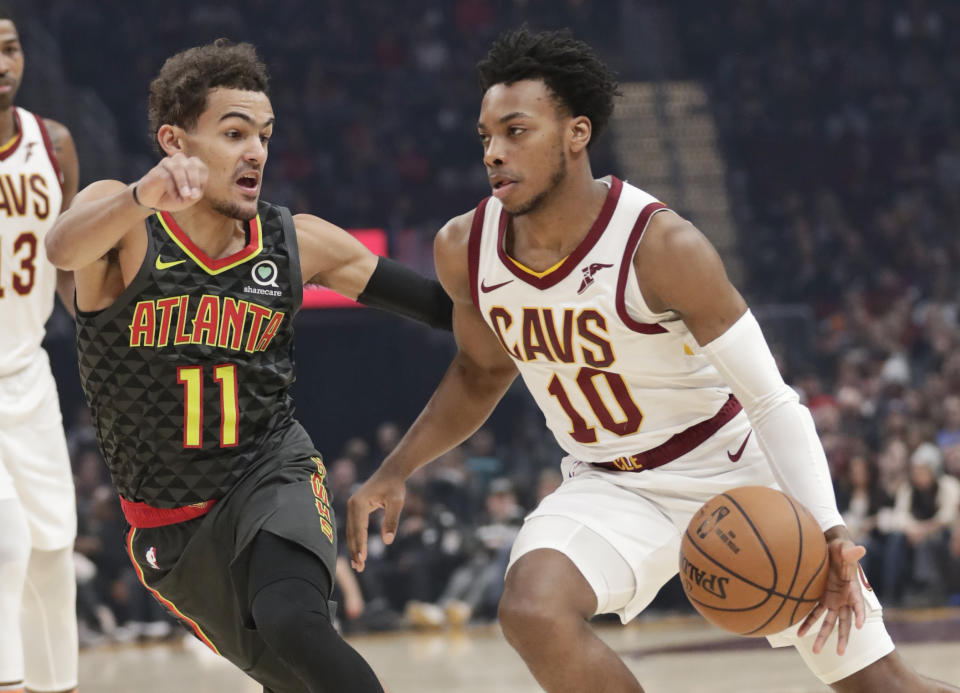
53, 572
527, 617
15, 537
286, 608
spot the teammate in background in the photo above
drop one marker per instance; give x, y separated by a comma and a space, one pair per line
187, 286
38, 520
620, 318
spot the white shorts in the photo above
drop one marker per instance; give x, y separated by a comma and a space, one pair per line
642, 517
34, 464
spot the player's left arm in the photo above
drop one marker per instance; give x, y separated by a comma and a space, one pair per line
331, 257
681, 271
66, 155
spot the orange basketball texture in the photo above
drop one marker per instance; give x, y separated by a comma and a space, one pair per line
753, 561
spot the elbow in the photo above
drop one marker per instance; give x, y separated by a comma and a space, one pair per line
58, 252
54, 250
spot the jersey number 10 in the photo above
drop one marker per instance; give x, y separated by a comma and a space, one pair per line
191, 377
581, 431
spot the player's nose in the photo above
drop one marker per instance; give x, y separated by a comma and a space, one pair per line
493, 155
256, 152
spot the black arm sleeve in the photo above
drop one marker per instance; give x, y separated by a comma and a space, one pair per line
398, 289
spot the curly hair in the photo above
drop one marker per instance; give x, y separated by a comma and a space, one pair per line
581, 82
178, 94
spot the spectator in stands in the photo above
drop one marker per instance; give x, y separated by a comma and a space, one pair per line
925, 511
475, 587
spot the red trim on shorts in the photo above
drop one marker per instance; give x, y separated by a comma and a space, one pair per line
48, 144
678, 445
473, 250
557, 275
170, 606
646, 214
143, 516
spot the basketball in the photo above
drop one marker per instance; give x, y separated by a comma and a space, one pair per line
753, 561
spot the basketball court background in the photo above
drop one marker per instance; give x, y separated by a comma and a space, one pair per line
668, 654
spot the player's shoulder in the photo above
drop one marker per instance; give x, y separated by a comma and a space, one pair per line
450, 254
57, 130
670, 237
312, 225
455, 234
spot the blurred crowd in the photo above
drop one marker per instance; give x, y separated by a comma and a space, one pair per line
840, 124
840, 128
375, 101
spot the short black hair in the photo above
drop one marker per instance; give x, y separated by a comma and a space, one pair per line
6, 12
178, 94
582, 83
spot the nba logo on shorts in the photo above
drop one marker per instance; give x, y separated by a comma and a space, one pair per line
152, 557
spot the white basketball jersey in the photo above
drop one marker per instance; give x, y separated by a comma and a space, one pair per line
30, 200
611, 377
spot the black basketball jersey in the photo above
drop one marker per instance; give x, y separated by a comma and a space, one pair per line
188, 373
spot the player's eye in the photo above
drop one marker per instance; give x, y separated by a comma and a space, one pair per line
484, 139
232, 134
516, 130
264, 139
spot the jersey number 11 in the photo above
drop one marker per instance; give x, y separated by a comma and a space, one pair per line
191, 377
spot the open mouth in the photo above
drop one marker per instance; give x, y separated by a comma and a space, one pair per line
250, 182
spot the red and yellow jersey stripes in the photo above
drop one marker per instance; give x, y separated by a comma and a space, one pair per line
188, 373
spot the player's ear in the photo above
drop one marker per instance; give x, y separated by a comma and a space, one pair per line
579, 133
170, 139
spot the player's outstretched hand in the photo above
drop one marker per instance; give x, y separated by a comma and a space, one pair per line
177, 182
842, 599
381, 490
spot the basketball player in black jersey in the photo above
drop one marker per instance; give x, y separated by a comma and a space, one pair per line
187, 285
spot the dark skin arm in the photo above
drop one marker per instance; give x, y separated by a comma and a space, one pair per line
680, 271
66, 155
479, 376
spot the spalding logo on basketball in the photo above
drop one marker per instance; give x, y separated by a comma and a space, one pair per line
753, 561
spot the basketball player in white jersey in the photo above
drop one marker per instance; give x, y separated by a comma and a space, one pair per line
649, 368
38, 177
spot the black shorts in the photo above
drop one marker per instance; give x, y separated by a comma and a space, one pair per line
198, 569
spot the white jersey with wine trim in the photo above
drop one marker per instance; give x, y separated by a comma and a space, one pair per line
612, 377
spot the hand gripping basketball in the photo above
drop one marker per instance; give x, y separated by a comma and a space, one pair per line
753, 561
177, 182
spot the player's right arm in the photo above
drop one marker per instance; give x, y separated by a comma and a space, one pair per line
477, 378
103, 231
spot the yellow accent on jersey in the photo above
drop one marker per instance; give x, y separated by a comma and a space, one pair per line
538, 275
226, 375
204, 265
164, 264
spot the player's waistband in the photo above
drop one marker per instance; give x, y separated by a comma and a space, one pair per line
143, 516
678, 445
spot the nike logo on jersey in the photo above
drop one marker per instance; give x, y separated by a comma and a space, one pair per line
30, 146
487, 289
588, 273
735, 456
162, 264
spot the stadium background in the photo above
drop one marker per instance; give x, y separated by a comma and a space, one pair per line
816, 143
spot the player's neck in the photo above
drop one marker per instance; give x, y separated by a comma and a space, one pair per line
565, 219
8, 125
215, 234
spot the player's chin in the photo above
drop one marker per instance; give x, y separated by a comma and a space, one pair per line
242, 209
